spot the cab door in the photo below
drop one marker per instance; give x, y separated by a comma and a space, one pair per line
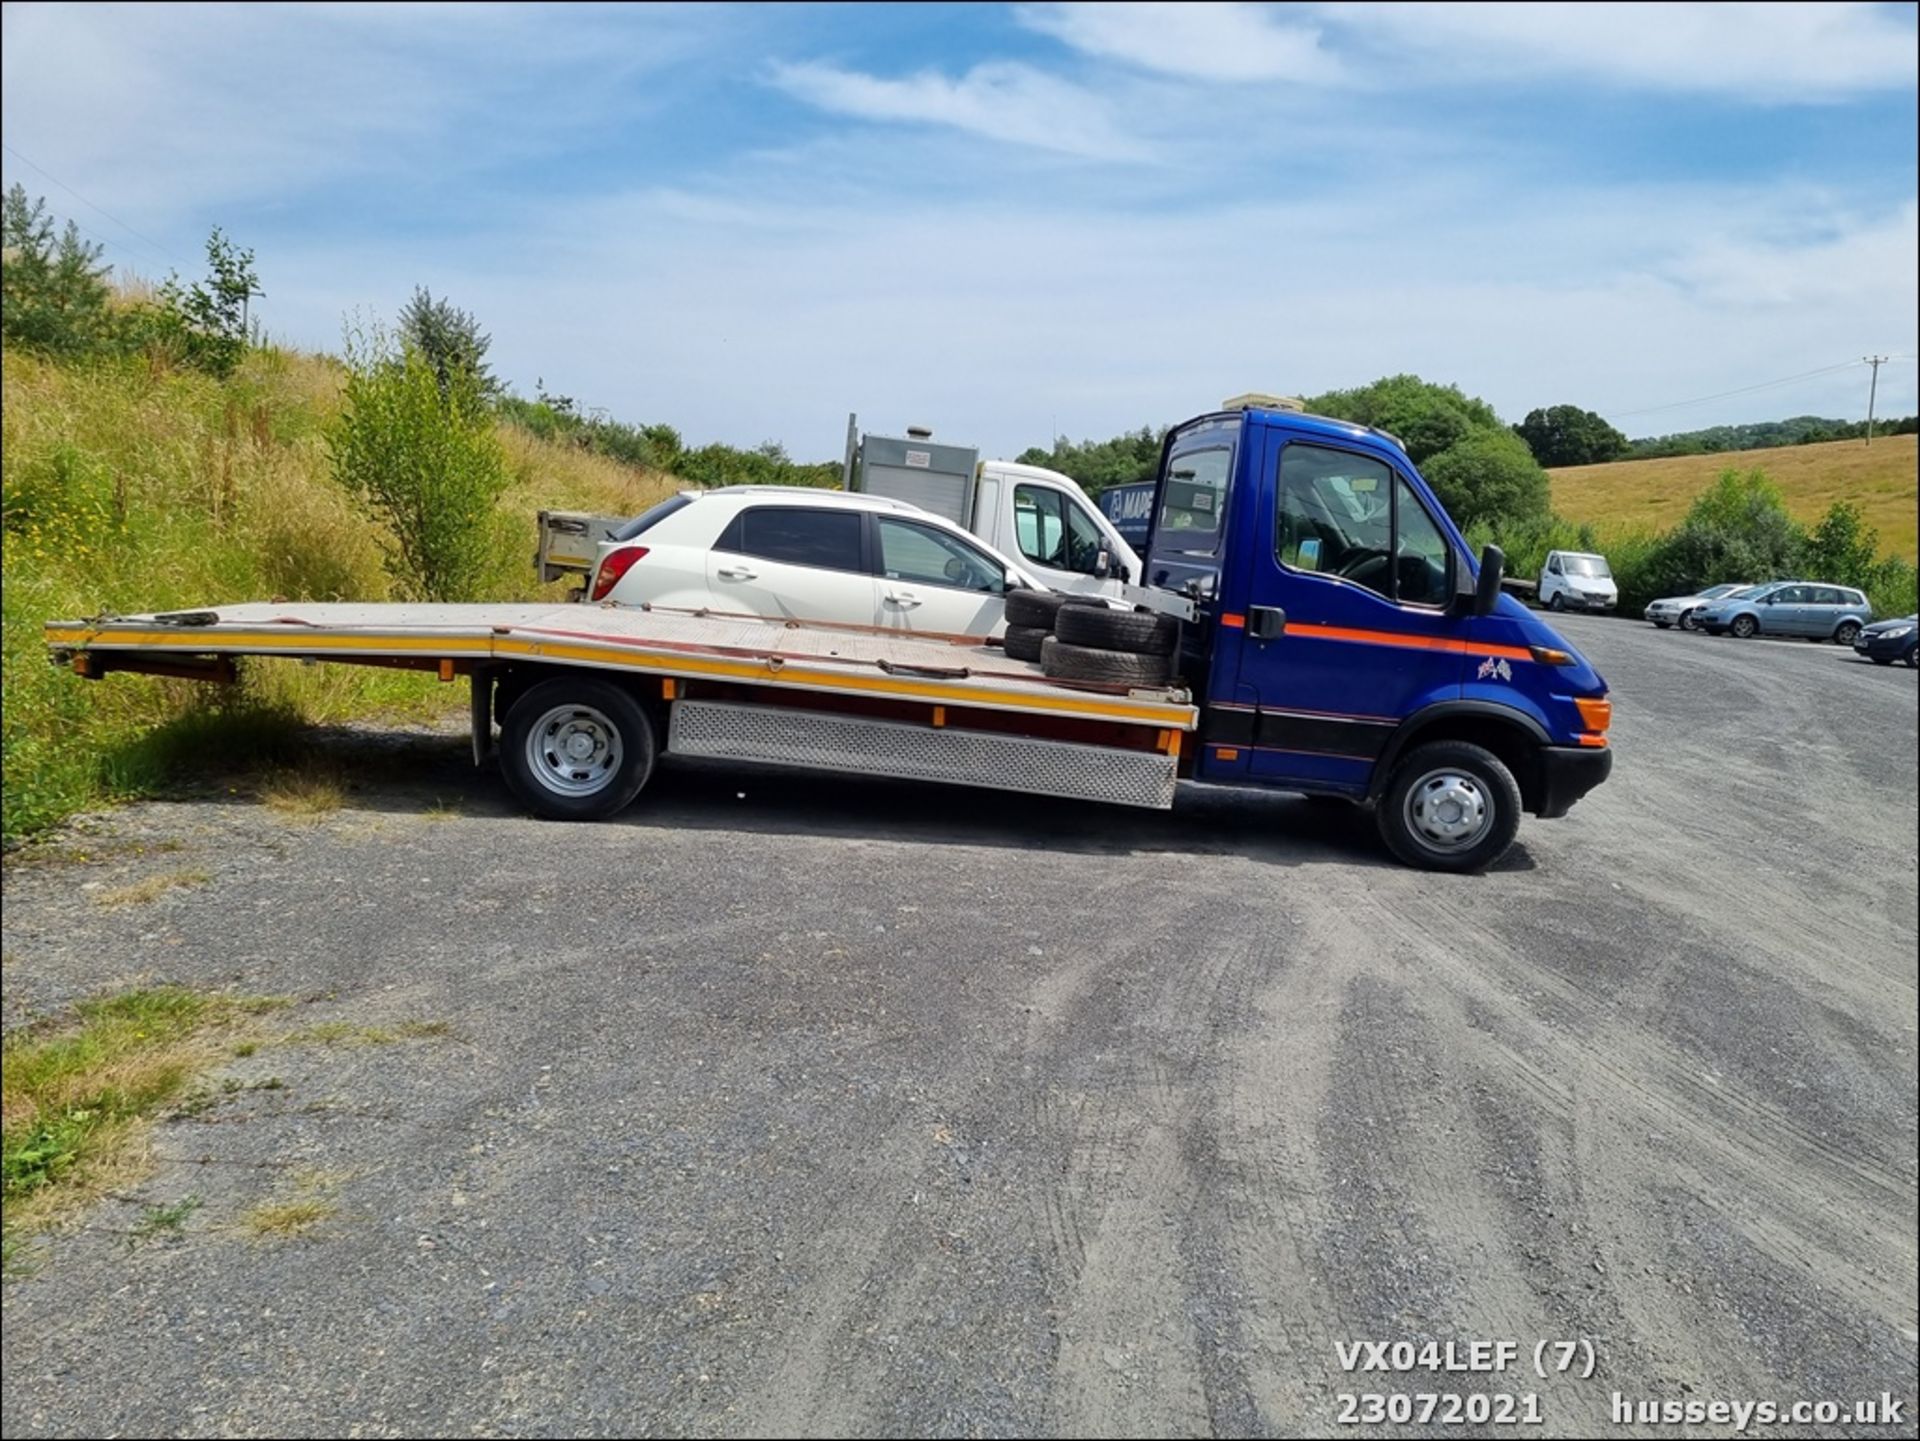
1349, 622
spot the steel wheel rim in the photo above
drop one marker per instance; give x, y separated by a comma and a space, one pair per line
1745, 626
1448, 810
574, 750
1849, 633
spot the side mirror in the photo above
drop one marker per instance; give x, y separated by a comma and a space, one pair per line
1493, 570
1103, 564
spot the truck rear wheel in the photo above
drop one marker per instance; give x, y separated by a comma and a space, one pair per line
1450, 806
576, 749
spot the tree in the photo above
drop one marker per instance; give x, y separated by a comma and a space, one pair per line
1568, 435
1488, 475
53, 294
1424, 417
213, 313
1843, 548
450, 339
424, 458
1099, 465
1738, 529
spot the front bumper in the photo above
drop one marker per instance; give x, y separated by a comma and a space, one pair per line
1578, 601
1876, 647
1568, 773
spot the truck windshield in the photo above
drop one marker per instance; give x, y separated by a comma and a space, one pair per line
1195, 488
1592, 565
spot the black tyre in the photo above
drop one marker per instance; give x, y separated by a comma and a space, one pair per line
1559, 601
1663, 625
1023, 642
1846, 632
1913, 658
1687, 621
1141, 632
1037, 608
1450, 806
1110, 667
1744, 627
576, 749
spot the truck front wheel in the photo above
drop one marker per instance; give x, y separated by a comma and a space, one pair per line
1450, 806
576, 749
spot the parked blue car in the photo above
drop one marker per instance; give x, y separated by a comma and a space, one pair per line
1788, 607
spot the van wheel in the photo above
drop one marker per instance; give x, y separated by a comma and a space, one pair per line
1743, 627
576, 749
1848, 632
1559, 601
1450, 806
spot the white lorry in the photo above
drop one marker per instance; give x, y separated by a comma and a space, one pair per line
1028, 511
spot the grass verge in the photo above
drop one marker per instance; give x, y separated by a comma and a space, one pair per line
75, 1099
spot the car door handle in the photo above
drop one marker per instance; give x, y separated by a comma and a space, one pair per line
1266, 622
905, 599
734, 572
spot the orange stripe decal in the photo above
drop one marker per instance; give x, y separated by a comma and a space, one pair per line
1233, 620
1409, 642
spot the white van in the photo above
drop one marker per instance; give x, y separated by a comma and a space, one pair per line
1573, 580
1038, 516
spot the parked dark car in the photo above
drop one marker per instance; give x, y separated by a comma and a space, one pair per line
1887, 641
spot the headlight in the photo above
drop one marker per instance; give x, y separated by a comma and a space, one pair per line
1895, 633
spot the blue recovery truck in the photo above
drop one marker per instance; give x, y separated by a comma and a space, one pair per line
1312, 621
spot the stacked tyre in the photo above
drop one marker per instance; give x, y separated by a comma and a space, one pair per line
1030, 619
1080, 638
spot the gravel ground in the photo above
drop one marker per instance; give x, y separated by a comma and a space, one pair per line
809, 1105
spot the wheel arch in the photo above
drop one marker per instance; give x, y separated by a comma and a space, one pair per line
1512, 735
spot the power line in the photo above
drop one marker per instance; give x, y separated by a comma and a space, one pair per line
1743, 390
153, 244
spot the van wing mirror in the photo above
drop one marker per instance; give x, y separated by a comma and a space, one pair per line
1493, 570
1103, 564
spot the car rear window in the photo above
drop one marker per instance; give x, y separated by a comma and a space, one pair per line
650, 517
823, 539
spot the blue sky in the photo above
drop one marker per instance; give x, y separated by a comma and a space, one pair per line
1002, 220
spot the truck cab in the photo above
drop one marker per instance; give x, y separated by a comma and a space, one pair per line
1347, 642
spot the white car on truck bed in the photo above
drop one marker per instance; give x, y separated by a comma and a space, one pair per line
791, 553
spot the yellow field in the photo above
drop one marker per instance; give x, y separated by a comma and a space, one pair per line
1878, 478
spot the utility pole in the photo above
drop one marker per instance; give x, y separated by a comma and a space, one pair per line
1873, 389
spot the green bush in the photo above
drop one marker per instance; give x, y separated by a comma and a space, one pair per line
1489, 475
425, 460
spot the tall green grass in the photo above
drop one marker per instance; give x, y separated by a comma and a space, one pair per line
130, 486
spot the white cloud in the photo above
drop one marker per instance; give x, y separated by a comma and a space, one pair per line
1760, 52
1002, 101
1193, 39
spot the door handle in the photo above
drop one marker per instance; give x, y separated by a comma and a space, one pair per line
905, 599
1266, 622
734, 572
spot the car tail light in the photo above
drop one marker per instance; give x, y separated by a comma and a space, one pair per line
613, 565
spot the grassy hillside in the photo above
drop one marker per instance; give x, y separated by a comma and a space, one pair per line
133, 487
1656, 493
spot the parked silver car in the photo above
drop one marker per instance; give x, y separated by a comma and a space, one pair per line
1789, 607
1680, 609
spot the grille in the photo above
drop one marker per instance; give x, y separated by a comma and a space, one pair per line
814, 741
